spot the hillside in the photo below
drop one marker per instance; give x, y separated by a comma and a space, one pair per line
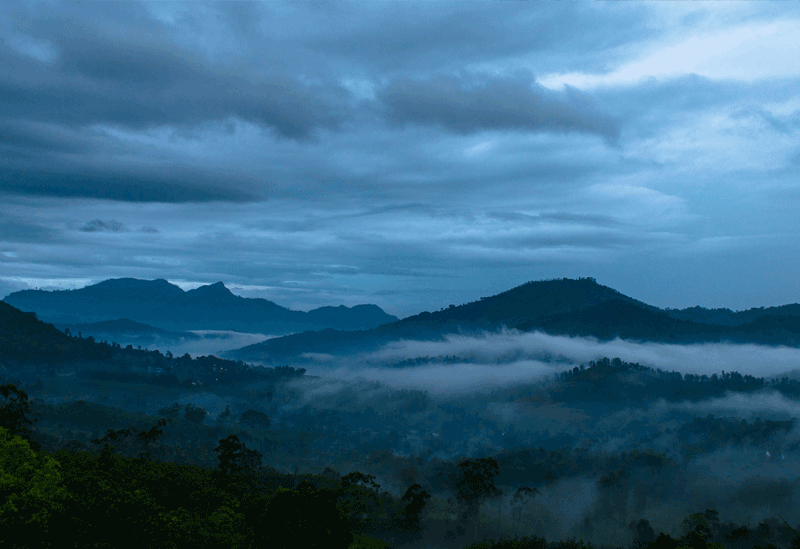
166, 306
27, 341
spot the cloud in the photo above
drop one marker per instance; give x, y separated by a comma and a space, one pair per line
98, 225
467, 104
145, 80
15, 230
742, 52
172, 186
495, 360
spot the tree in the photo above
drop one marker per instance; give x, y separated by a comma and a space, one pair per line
796, 540
697, 531
173, 411
31, 490
416, 499
226, 416
254, 417
643, 533
304, 517
235, 457
195, 414
475, 484
359, 498
522, 497
144, 438
14, 414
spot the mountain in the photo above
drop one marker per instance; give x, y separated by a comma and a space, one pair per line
166, 306
579, 307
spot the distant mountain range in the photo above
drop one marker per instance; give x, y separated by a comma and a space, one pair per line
162, 305
579, 307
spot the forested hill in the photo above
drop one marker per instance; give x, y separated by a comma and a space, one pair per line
579, 307
24, 339
164, 305
616, 381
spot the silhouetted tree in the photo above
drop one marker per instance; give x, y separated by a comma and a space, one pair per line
416, 498
475, 484
254, 417
173, 411
643, 533
522, 497
14, 414
195, 414
144, 438
225, 416
235, 457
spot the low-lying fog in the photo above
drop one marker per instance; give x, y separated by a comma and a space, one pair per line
210, 342
481, 396
497, 359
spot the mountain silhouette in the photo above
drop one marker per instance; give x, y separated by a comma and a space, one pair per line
163, 305
575, 307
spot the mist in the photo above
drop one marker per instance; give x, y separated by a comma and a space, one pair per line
494, 360
210, 342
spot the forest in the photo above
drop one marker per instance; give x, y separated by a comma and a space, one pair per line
111, 446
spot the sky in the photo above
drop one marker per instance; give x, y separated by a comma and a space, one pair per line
407, 154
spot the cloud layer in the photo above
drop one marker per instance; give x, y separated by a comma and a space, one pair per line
411, 155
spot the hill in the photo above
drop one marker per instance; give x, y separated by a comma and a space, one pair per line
27, 341
166, 306
579, 307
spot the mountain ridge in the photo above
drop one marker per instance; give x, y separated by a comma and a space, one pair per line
575, 307
163, 305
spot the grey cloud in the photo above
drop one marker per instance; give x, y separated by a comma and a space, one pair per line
558, 217
14, 230
98, 225
421, 37
19, 137
171, 186
583, 239
468, 104
143, 81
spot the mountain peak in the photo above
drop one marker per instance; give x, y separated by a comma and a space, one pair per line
217, 289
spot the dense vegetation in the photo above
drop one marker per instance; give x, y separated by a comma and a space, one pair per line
82, 467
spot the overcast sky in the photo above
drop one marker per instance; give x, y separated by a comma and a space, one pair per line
408, 154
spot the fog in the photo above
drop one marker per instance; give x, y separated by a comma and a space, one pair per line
495, 360
210, 342
413, 409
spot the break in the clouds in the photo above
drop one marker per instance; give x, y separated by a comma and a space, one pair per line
411, 155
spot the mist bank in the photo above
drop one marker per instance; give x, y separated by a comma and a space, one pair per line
459, 363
